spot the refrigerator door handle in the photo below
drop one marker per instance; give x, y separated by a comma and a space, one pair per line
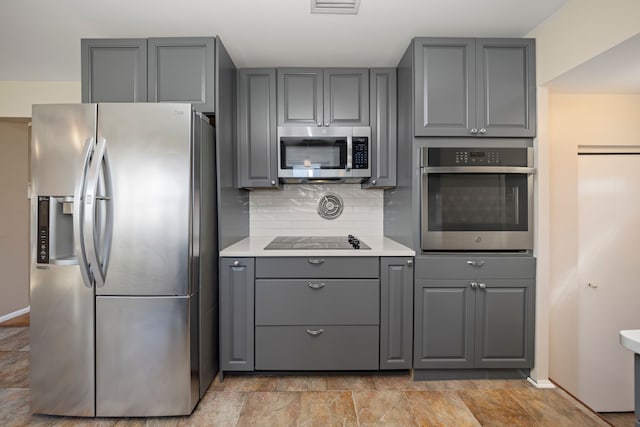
91, 198
78, 214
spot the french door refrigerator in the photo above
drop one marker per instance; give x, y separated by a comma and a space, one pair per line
123, 279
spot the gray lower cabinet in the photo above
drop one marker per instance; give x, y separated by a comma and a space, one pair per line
237, 277
317, 313
474, 312
323, 97
257, 139
181, 69
113, 70
396, 312
474, 87
383, 118
172, 69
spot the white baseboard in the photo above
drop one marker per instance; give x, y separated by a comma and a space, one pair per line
541, 383
15, 314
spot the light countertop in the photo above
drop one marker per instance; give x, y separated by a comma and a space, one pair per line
253, 246
630, 338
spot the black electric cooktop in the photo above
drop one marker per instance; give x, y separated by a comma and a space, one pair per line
317, 242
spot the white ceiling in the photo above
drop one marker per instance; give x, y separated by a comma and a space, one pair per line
616, 70
40, 39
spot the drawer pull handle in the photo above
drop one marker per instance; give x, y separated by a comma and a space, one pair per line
475, 263
315, 332
315, 261
317, 285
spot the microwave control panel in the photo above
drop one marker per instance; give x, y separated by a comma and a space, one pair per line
360, 154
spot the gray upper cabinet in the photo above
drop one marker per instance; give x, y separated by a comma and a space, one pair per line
181, 69
396, 312
474, 87
383, 117
257, 150
323, 97
474, 312
114, 70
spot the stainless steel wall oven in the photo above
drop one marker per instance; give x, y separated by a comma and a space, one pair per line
477, 199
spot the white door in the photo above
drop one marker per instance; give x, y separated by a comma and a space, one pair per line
608, 277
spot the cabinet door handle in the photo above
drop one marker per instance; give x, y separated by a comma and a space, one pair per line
475, 263
483, 131
317, 285
474, 131
319, 123
410, 262
315, 332
473, 284
316, 261
236, 263
482, 285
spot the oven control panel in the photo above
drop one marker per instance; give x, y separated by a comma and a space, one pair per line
439, 156
477, 157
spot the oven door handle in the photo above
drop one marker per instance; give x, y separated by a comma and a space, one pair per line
478, 169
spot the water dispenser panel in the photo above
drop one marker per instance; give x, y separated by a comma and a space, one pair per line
43, 230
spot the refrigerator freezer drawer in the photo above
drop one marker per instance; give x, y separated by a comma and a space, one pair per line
144, 356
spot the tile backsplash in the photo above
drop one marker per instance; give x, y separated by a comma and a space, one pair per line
293, 211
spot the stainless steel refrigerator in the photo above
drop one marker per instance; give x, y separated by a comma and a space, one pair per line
123, 259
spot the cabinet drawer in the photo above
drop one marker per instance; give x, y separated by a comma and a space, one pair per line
475, 267
318, 267
292, 348
308, 302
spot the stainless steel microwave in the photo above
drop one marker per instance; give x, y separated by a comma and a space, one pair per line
324, 154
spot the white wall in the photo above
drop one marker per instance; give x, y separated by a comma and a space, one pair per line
576, 33
14, 216
580, 30
576, 119
16, 97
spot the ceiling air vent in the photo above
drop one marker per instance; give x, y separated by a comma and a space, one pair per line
335, 6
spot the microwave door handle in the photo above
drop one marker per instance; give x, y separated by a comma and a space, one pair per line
349, 153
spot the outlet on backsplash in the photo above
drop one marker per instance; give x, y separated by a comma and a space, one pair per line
293, 211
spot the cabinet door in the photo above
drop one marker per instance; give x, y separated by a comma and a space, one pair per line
346, 97
182, 69
114, 70
445, 86
257, 149
300, 96
506, 87
383, 117
236, 314
444, 319
396, 312
504, 323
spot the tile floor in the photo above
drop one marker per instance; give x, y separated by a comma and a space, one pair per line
364, 400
